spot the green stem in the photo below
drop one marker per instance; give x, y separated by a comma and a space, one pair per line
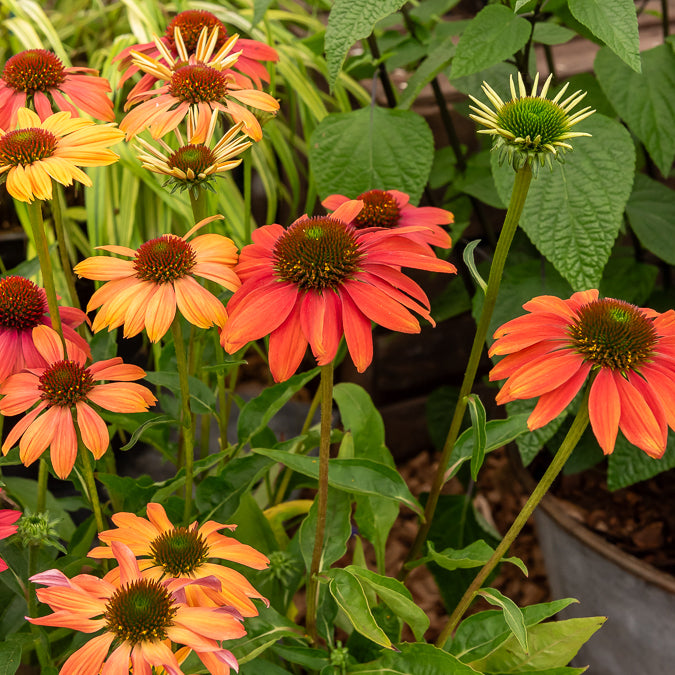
248, 161
188, 432
88, 473
567, 446
518, 196
40, 641
198, 204
62, 241
43, 475
322, 499
223, 395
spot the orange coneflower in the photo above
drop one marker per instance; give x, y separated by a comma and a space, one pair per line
144, 292
37, 76
35, 152
629, 351
139, 617
201, 81
321, 279
171, 552
55, 390
23, 305
392, 209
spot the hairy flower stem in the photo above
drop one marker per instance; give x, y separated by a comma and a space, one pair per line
62, 241
188, 431
322, 500
43, 475
88, 473
566, 447
198, 203
248, 160
518, 196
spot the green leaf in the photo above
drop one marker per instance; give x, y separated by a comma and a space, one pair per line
432, 10
476, 554
478, 421
257, 413
573, 214
371, 148
512, 614
492, 36
646, 102
414, 659
360, 476
615, 23
651, 213
10, 658
548, 33
160, 419
351, 599
134, 492
396, 596
628, 279
259, 9
349, 21
470, 263
628, 464
202, 398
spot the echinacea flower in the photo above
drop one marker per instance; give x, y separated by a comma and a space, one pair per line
7, 528
37, 76
139, 618
145, 291
55, 390
201, 81
195, 163
35, 152
530, 130
247, 71
166, 551
392, 209
321, 279
23, 305
628, 351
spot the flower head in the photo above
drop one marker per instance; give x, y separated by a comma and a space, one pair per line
391, 209
7, 527
195, 163
530, 130
145, 291
201, 81
63, 387
38, 77
321, 279
36, 151
23, 305
629, 351
167, 551
139, 617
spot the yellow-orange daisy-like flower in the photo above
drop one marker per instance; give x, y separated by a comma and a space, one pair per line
167, 551
630, 351
200, 81
145, 291
139, 618
35, 152
55, 390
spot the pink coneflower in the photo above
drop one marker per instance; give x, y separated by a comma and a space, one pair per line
7, 527
23, 305
37, 76
63, 384
392, 209
322, 279
630, 351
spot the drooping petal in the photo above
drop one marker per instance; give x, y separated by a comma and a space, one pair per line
90, 657
604, 409
288, 345
93, 429
358, 333
160, 311
64, 444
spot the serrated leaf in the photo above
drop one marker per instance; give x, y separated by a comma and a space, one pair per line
349, 21
371, 148
615, 23
492, 36
573, 213
628, 465
512, 614
645, 101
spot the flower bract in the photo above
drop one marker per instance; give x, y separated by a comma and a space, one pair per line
628, 351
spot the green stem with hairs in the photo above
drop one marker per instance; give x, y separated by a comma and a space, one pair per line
43, 475
322, 500
518, 196
198, 203
567, 446
62, 242
248, 161
90, 482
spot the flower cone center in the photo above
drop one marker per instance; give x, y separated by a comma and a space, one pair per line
535, 119
379, 210
25, 146
179, 551
22, 304
191, 24
198, 83
164, 259
613, 334
196, 157
33, 70
317, 253
65, 383
140, 612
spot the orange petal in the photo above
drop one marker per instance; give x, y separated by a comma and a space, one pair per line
604, 409
93, 430
197, 305
358, 333
288, 345
160, 311
63, 449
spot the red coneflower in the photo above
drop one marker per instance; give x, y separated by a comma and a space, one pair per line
7, 527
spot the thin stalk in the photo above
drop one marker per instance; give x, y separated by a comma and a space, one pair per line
518, 196
188, 431
567, 446
43, 475
223, 395
62, 241
665, 19
40, 641
198, 203
382, 69
322, 500
248, 161
88, 473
